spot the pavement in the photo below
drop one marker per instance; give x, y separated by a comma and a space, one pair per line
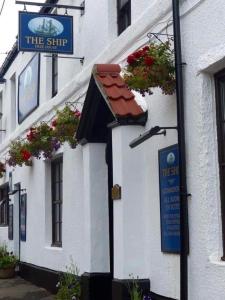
17, 288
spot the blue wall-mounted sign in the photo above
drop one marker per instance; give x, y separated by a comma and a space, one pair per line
45, 33
169, 185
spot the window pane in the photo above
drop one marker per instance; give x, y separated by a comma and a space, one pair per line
54, 75
4, 205
60, 191
56, 192
56, 213
222, 97
1, 214
61, 171
58, 232
56, 201
122, 3
57, 172
60, 213
124, 15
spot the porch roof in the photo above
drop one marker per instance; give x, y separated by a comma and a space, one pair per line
108, 99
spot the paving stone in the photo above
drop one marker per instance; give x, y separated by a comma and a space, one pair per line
17, 288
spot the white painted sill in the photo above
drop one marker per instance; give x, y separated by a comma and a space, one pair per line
54, 248
216, 260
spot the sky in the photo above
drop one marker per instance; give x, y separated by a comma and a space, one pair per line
9, 24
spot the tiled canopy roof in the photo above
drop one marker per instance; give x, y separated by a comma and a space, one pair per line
113, 88
108, 102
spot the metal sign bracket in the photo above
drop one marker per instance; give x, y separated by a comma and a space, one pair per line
81, 8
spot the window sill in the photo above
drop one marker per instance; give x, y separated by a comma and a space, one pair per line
54, 248
216, 260
56, 245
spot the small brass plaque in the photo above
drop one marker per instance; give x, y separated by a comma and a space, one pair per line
116, 192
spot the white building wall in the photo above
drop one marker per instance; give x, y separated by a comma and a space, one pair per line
129, 212
96, 220
137, 217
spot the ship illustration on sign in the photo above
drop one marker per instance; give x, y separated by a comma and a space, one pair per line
45, 26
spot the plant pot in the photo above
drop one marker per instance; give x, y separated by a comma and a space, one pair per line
7, 273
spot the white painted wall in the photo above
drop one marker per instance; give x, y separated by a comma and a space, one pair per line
96, 216
137, 217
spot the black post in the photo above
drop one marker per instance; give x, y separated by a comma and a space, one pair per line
182, 155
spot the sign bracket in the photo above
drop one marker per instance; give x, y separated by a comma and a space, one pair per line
68, 57
81, 8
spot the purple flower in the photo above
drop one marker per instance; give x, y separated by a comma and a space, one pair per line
147, 297
55, 144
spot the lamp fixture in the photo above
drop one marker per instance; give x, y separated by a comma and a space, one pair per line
157, 130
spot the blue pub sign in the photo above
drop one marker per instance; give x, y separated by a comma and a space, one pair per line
169, 185
45, 33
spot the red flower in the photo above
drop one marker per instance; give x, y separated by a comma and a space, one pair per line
131, 59
149, 61
31, 134
54, 123
26, 155
77, 113
138, 54
146, 48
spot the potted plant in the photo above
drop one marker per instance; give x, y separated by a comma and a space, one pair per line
69, 286
41, 141
8, 263
19, 154
149, 67
135, 291
65, 125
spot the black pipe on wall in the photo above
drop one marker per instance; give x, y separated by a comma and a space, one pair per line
182, 155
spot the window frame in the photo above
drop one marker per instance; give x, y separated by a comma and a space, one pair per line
55, 221
220, 121
55, 73
123, 12
4, 207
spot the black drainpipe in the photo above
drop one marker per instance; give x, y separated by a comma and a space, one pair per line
182, 155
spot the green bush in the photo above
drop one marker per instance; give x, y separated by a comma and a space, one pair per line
69, 284
134, 289
7, 260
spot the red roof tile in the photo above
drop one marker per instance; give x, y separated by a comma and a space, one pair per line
113, 88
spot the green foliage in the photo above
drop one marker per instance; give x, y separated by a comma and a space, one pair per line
134, 289
7, 260
40, 140
65, 125
69, 284
19, 154
150, 67
44, 140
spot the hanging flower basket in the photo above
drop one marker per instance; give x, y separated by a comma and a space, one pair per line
150, 67
19, 154
65, 125
41, 141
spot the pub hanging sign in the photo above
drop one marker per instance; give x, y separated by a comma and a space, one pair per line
45, 33
169, 184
